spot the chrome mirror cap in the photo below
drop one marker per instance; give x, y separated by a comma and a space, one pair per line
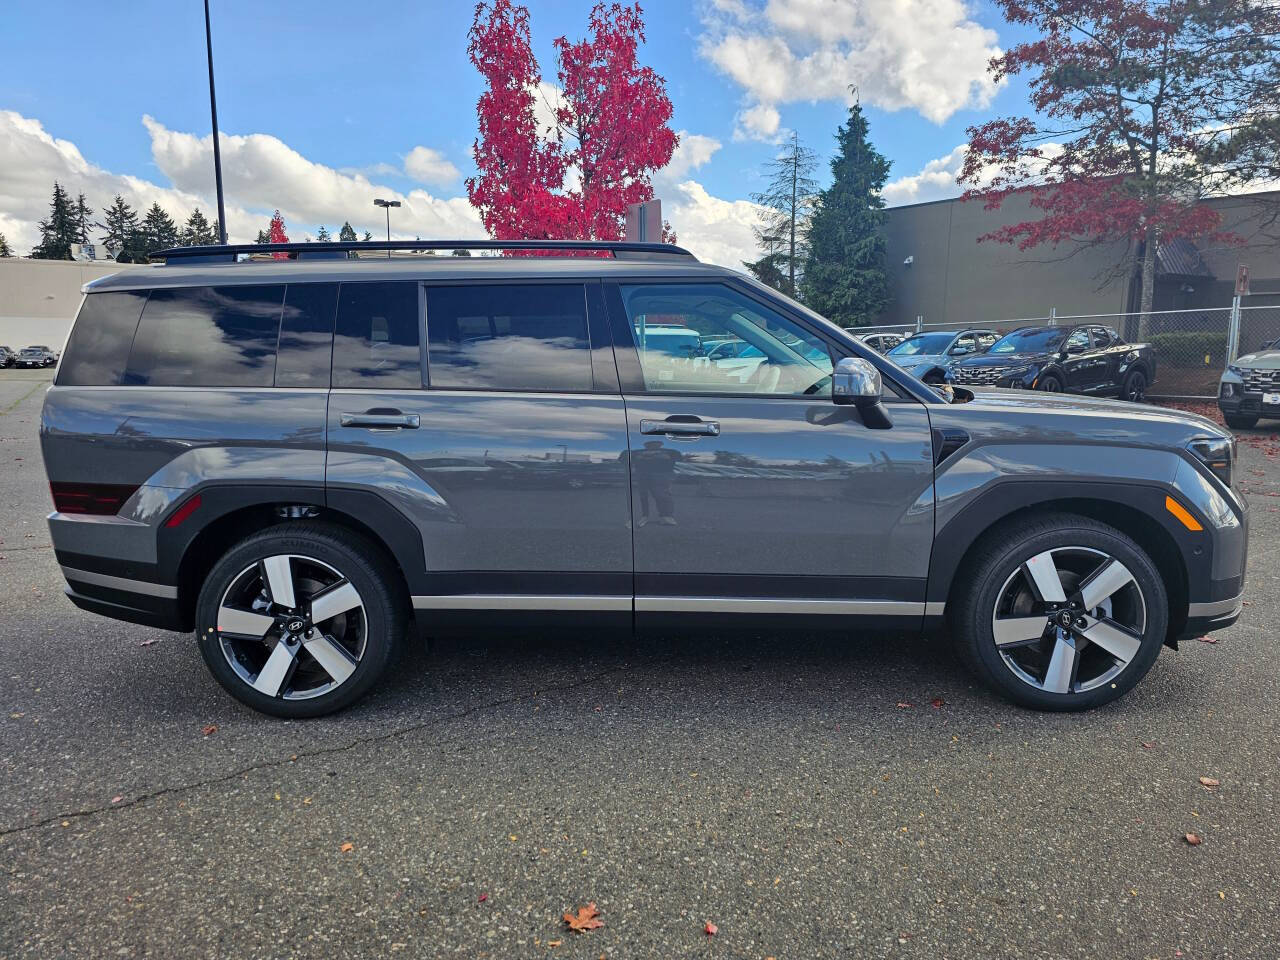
855, 381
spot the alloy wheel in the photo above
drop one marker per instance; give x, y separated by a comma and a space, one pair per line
1069, 620
292, 627
1137, 387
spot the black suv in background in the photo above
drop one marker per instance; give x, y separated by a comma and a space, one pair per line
1089, 358
296, 459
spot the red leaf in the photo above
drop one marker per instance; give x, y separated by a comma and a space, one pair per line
903, 705
711, 929
585, 919
937, 703
483, 897
1193, 839
209, 729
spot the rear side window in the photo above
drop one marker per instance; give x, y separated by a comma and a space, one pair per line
207, 337
306, 335
509, 337
98, 349
375, 343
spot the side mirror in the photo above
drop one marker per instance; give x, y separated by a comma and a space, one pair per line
856, 382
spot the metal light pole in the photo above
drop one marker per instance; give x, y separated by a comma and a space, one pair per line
217, 151
387, 205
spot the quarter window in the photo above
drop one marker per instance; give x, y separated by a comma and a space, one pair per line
96, 353
375, 343
508, 337
207, 337
680, 331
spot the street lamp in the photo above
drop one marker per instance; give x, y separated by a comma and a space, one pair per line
387, 205
213, 110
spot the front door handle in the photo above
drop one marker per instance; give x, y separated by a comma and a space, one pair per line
680, 428
380, 420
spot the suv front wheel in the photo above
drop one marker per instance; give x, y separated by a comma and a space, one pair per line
1060, 612
301, 619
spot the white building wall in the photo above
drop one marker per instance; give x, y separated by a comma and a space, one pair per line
39, 298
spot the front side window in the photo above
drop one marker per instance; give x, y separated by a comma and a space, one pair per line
509, 337
207, 337
678, 329
922, 344
375, 339
1029, 340
1101, 338
1078, 342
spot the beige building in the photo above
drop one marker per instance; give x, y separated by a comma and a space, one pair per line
39, 298
940, 271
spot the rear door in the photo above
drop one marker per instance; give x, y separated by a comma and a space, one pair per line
482, 411
1080, 365
1110, 351
753, 494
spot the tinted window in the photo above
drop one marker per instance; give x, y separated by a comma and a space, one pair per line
207, 337
306, 335
780, 356
1030, 340
98, 349
509, 337
1100, 337
375, 343
922, 344
1078, 342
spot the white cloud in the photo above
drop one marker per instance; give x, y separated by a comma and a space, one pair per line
715, 230
925, 55
693, 152
430, 166
548, 98
761, 122
935, 181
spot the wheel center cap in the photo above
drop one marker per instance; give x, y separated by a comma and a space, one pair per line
295, 626
1065, 618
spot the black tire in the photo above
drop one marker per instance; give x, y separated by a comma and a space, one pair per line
1050, 383
999, 556
1237, 421
1135, 386
379, 589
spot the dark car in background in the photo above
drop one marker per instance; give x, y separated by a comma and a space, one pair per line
928, 355
1250, 388
7, 357
1089, 358
36, 356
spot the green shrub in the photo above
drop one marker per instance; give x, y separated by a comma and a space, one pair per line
1188, 348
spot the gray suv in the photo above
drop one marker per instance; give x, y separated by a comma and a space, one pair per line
297, 458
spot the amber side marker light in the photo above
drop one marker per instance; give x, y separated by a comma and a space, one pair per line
1183, 515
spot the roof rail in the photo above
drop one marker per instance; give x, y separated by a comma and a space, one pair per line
329, 250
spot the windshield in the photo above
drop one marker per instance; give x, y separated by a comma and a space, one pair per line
922, 343
1033, 340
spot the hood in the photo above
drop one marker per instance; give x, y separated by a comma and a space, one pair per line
1065, 403
1003, 359
919, 360
1262, 360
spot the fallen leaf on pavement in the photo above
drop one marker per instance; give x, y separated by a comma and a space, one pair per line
937, 703
554, 943
711, 929
903, 705
1193, 839
1148, 745
483, 897
209, 729
1207, 639
116, 799
347, 847
585, 919
1208, 782
149, 642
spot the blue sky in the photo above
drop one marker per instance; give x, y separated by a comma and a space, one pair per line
355, 87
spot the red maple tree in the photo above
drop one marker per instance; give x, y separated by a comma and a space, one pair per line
276, 234
611, 128
1137, 103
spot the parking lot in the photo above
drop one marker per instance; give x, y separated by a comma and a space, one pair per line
847, 796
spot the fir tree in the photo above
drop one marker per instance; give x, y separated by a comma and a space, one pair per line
263, 237
120, 230
844, 275
322, 235
4, 247
197, 232
367, 236
60, 230
82, 220
787, 202
159, 232
347, 234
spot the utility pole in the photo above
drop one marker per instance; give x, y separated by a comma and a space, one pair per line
217, 151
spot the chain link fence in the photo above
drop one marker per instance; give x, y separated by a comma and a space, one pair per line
1193, 347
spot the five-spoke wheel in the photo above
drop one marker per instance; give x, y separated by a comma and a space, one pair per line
299, 620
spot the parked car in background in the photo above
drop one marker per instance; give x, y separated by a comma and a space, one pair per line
927, 355
7, 357
1090, 359
1250, 388
881, 342
36, 356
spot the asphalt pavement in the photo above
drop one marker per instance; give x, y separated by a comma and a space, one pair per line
812, 797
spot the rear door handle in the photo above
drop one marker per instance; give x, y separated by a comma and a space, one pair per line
380, 420
680, 428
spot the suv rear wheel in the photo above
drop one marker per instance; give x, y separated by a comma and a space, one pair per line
301, 619
1060, 612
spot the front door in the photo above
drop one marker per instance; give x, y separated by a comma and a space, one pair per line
752, 493
510, 462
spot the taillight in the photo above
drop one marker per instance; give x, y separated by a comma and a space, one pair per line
103, 499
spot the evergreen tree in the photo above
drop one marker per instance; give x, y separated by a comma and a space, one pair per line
322, 235
769, 270
82, 220
60, 230
367, 236
844, 275
120, 230
197, 232
787, 202
347, 234
159, 232
263, 237
4, 247
461, 252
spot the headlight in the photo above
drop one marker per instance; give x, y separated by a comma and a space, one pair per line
1218, 454
1232, 368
